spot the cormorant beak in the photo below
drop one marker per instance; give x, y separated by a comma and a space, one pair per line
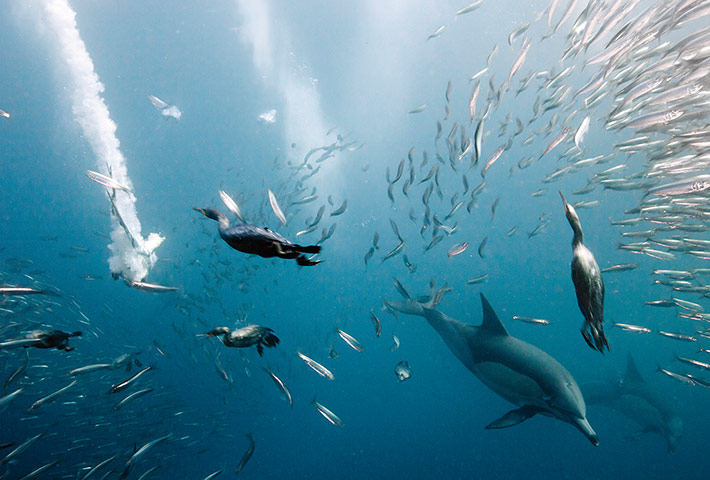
563, 200
201, 210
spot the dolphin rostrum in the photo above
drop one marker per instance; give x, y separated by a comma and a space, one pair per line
517, 371
632, 397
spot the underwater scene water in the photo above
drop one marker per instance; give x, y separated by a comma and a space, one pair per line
354, 239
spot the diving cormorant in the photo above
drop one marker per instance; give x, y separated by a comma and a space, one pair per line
260, 241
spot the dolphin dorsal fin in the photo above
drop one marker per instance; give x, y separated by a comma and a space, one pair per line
632, 374
491, 323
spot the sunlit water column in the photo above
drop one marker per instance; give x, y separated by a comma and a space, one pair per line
132, 255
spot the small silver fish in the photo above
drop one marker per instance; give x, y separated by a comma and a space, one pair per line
281, 386
457, 249
369, 255
661, 303
482, 246
403, 371
581, 132
127, 383
350, 340
132, 396
400, 288
6, 399
90, 368
151, 287
328, 414
340, 210
275, 207
394, 251
437, 32
559, 139
624, 267
106, 181
376, 323
695, 184
479, 279
12, 291
531, 320
247, 454
695, 363
470, 7
395, 345
317, 367
677, 376
678, 336
51, 396
632, 328
231, 204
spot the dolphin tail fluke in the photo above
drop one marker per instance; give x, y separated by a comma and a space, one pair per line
437, 297
413, 306
410, 307
514, 417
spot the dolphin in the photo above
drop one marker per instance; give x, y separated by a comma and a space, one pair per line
517, 371
631, 396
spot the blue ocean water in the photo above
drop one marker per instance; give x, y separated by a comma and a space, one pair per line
352, 71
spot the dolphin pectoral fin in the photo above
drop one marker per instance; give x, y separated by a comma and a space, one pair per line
514, 417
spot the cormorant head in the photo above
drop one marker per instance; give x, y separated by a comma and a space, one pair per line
209, 212
573, 220
217, 331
